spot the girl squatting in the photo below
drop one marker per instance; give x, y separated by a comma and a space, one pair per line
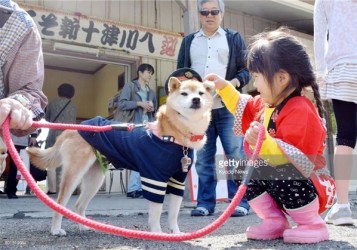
295, 182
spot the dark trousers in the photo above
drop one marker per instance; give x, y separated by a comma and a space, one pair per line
12, 182
346, 120
285, 184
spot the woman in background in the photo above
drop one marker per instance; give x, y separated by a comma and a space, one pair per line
145, 105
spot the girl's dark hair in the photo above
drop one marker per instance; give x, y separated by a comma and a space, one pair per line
66, 90
279, 50
143, 67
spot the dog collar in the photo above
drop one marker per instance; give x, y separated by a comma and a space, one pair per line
192, 138
168, 138
195, 138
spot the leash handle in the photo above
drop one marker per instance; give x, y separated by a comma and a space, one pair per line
258, 146
253, 156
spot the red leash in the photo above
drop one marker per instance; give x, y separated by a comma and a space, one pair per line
109, 228
62, 126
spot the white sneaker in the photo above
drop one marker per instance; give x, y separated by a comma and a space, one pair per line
240, 212
339, 216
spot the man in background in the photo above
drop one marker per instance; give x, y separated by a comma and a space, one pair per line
221, 51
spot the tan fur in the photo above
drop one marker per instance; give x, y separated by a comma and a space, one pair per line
79, 165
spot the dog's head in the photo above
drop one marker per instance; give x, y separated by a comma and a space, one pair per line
3, 155
190, 97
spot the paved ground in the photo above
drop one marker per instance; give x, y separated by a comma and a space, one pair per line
25, 223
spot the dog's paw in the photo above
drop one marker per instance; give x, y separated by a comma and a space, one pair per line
84, 228
175, 231
58, 232
156, 230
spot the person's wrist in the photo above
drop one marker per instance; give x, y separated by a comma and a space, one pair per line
21, 99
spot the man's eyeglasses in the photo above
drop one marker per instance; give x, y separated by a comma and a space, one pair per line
207, 12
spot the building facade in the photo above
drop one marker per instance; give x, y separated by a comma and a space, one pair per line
96, 45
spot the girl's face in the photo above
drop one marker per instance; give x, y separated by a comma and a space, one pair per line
263, 88
271, 94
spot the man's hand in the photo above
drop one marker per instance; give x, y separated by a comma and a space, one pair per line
32, 142
21, 117
235, 82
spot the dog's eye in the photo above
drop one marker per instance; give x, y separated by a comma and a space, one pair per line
201, 93
184, 93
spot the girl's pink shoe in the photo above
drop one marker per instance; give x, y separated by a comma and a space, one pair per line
311, 228
274, 221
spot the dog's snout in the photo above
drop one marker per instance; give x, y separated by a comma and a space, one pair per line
196, 100
196, 103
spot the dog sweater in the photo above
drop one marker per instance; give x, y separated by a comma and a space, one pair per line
157, 161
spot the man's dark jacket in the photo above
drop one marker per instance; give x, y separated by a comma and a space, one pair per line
236, 67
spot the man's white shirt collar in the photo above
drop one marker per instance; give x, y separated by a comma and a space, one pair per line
219, 31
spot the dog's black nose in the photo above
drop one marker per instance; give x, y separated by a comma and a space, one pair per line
196, 103
196, 100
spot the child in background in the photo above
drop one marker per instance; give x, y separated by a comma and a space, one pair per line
294, 179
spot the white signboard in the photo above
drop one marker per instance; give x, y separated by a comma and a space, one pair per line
221, 189
75, 28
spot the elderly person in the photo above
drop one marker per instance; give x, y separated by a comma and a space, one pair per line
22, 70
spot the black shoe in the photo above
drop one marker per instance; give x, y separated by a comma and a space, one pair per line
12, 196
51, 193
134, 194
28, 190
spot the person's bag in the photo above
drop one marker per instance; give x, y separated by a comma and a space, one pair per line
124, 115
127, 116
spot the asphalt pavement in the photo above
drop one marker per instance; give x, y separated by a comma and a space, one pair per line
25, 224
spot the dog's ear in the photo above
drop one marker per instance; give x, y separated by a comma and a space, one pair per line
174, 83
209, 86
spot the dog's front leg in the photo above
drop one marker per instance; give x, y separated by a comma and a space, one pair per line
155, 210
174, 209
56, 228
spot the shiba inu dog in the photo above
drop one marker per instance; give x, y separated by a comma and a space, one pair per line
161, 152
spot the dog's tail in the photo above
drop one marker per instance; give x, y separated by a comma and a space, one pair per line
49, 158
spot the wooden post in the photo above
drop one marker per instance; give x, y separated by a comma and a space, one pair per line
191, 24
190, 15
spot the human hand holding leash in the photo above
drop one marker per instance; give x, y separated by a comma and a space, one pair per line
251, 135
21, 117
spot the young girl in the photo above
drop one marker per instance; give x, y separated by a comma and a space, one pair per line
293, 179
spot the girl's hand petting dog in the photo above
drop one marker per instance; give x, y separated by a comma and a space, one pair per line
218, 81
251, 135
